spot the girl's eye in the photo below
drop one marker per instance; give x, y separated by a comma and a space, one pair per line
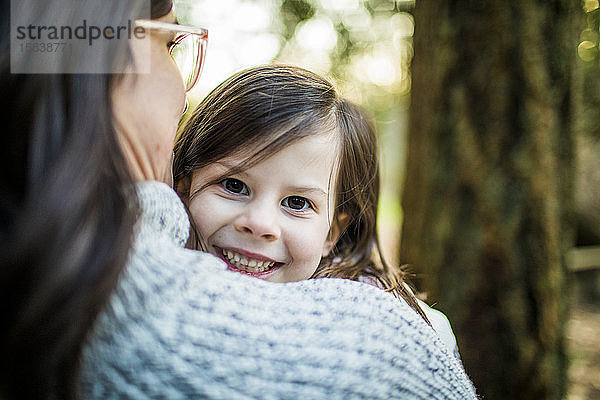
296, 203
234, 186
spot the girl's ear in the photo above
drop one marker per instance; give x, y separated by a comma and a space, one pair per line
183, 189
339, 225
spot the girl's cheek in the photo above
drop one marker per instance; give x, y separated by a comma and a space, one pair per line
309, 240
205, 210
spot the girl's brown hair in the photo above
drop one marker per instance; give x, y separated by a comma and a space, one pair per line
260, 111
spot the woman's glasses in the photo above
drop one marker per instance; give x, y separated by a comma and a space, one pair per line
188, 48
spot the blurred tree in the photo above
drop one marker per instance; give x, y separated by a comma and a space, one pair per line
488, 193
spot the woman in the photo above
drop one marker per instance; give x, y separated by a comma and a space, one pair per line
94, 309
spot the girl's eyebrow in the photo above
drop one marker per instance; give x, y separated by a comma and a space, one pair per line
308, 190
231, 168
224, 164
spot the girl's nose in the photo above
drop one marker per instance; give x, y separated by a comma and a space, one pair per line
259, 222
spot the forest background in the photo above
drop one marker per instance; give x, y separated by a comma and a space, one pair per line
489, 119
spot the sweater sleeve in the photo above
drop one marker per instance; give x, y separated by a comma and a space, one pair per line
180, 326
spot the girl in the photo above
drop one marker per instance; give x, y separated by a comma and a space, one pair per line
281, 178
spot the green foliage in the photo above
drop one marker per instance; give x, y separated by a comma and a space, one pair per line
292, 12
364, 45
589, 37
588, 83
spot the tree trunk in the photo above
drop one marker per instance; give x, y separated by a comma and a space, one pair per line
488, 192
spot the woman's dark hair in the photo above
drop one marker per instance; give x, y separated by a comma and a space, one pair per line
66, 212
260, 111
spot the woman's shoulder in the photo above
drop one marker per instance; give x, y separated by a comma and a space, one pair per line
205, 331
210, 332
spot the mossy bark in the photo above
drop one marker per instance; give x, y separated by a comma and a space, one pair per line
488, 189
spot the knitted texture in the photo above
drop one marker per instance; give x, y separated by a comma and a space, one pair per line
179, 326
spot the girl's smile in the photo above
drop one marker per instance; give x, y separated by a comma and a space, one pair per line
248, 263
271, 220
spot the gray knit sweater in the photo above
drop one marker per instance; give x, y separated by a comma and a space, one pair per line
181, 326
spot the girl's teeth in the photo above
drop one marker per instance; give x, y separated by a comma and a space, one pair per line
256, 265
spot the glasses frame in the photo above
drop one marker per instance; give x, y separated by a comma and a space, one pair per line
182, 32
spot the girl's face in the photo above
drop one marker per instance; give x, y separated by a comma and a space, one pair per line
272, 220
